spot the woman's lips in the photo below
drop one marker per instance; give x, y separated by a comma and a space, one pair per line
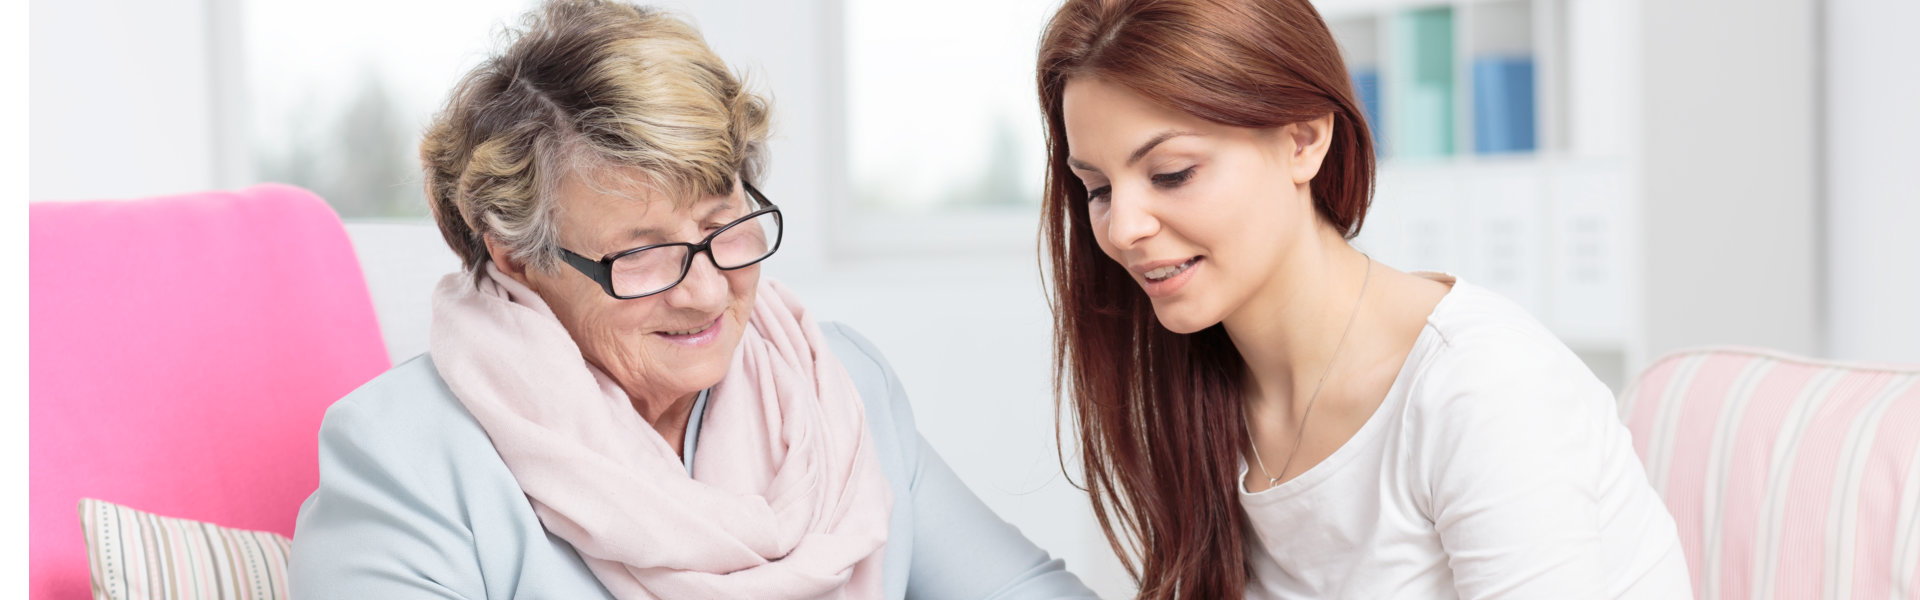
703, 336
1161, 288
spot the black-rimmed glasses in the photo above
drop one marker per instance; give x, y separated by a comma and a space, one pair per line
649, 270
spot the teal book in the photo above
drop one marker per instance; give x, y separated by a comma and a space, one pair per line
1423, 124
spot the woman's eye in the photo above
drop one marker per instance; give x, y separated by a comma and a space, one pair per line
1173, 179
1099, 194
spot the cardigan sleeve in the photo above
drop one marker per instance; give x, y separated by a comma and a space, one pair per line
413, 502
964, 550
958, 547
372, 529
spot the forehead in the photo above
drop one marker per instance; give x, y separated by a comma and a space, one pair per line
1105, 121
625, 206
624, 185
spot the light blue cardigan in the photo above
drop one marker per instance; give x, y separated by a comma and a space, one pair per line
415, 503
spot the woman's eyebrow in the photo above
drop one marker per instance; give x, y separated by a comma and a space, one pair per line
1148, 147
657, 234
647, 234
1138, 154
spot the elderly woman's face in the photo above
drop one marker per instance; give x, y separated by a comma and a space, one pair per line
667, 345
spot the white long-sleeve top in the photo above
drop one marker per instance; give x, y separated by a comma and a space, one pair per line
1495, 468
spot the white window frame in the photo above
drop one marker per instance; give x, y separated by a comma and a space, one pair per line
861, 233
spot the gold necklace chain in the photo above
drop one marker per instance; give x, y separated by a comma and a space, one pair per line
1302, 429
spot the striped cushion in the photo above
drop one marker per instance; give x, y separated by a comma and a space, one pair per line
1789, 478
137, 555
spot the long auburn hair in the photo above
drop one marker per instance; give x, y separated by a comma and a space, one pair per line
1158, 414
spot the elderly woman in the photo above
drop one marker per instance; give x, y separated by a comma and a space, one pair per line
595, 179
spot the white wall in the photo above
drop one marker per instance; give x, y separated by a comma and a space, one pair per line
1779, 173
121, 99
1729, 158
1601, 61
1872, 181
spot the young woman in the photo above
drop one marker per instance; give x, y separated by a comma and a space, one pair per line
1263, 410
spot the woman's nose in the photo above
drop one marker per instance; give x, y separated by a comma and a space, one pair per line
704, 288
1129, 219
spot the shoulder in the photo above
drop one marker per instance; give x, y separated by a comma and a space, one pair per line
412, 378
406, 418
403, 443
410, 398
412, 494
1487, 340
1490, 358
857, 353
1501, 405
880, 389
889, 413
1476, 319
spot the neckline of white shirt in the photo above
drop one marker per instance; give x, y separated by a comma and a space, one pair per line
1307, 479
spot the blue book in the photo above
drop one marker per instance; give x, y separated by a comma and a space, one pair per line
1503, 104
1366, 84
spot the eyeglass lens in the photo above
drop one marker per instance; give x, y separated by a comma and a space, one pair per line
656, 269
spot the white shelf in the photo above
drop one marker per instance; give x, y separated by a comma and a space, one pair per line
1550, 228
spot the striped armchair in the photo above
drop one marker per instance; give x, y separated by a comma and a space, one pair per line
1789, 478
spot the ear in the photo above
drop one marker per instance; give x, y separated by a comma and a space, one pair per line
503, 260
1311, 139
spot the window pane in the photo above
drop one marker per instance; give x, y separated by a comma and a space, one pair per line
941, 108
339, 91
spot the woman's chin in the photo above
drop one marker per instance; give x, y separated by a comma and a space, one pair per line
690, 358
707, 362
694, 376
1181, 319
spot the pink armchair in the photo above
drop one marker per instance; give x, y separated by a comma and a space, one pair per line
182, 352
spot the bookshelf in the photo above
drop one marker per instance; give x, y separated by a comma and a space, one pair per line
1490, 169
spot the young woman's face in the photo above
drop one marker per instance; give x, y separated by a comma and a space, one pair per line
1200, 214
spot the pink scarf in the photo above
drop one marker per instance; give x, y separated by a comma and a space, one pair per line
788, 500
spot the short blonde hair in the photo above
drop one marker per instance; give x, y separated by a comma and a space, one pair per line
586, 87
